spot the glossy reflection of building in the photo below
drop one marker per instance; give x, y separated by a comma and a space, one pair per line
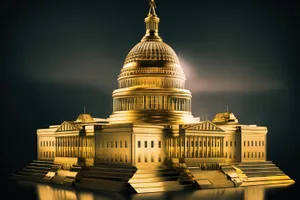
152, 127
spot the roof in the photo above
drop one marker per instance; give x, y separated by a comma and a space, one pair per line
225, 118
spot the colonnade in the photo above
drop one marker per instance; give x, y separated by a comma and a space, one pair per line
74, 146
195, 147
152, 103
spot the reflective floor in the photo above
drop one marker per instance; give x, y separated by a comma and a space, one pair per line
27, 190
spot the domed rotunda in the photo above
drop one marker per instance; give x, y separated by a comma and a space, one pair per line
151, 82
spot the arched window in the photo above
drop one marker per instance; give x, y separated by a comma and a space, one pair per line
145, 144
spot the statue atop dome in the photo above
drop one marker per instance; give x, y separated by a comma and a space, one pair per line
152, 8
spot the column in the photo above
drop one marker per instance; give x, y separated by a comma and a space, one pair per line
184, 147
180, 148
198, 149
206, 153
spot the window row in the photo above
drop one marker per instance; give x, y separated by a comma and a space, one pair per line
230, 143
152, 145
151, 81
113, 157
254, 143
47, 144
254, 154
47, 154
147, 158
229, 155
114, 144
152, 103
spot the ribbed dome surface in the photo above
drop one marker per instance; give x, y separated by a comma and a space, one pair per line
152, 50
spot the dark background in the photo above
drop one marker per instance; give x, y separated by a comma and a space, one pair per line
61, 56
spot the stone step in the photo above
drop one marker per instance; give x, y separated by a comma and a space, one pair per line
156, 179
43, 161
35, 170
155, 184
106, 177
153, 175
161, 189
22, 173
37, 167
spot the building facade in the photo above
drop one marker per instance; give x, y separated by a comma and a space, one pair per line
152, 125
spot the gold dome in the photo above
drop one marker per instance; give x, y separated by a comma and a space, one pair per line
151, 82
150, 50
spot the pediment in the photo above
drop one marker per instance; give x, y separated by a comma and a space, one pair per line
66, 126
202, 126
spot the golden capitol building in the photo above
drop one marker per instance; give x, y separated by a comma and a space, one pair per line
151, 142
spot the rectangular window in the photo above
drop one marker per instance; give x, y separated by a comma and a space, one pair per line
187, 143
248, 143
120, 144
204, 144
111, 144
107, 145
259, 143
231, 143
262, 154
146, 158
152, 144
53, 143
208, 143
139, 158
263, 143
47, 144
41, 143
200, 143
145, 145
139, 144
244, 143
192, 143
251, 143
259, 154
226, 144
159, 158
255, 143
126, 158
235, 143
159, 144
126, 144
244, 154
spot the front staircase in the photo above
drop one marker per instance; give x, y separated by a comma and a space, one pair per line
158, 179
35, 171
260, 173
105, 177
